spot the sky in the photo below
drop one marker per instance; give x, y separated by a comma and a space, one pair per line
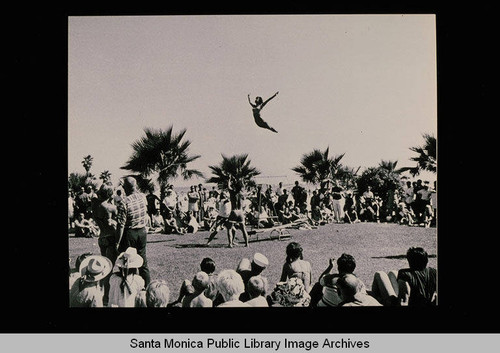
363, 85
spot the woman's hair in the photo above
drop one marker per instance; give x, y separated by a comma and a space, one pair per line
230, 284
157, 294
207, 265
417, 258
293, 252
258, 100
346, 263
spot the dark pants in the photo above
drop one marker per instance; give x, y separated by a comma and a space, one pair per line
136, 238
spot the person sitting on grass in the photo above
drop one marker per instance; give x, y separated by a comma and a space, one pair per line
256, 289
88, 290
247, 269
405, 214
325, 292
351, 291
85, 228
207, 265
300, 219
156, 221
197, 299
296, 266
326, 215
172, 225
190, 223
414, 286
230, 286
157, 294
125, 282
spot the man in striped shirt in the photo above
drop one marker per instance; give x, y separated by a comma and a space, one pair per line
131, 223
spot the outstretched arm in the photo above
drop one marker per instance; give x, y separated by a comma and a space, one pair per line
249, 101
265, 102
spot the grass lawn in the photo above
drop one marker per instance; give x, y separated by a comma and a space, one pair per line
374, 246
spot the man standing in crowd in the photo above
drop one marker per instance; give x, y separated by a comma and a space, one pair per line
194, 199
131, 224
296, 193
151, 198
338, 202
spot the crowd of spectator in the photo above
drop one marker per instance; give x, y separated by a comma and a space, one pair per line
97, 283
264, 207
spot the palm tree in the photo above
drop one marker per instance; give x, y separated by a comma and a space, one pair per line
105, 176
234, 174
427, 156
163, 155
317, 167
87, 163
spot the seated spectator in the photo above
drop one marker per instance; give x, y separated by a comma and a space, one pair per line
125, 282
75, 273
247, 269
300, 219
350, 290
256, 289
172, 225
191, 223
414, 286
325, 291
157, 294
260, 219
405, 214
285, 213
85, 227
230, 286
207, 265
428, 215
291, 293
296, 266
88, 290
326, 215
197, 299
156, 223
385, 288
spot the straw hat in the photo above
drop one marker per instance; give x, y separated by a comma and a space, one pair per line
95, 267
129, 259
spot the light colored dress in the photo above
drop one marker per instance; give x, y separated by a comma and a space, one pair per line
119, 297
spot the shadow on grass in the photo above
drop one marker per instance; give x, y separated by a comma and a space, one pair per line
397, 257
190, 246
160, 241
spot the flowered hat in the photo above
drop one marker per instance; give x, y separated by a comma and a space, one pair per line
94, 268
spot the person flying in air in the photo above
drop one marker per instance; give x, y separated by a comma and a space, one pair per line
257, 107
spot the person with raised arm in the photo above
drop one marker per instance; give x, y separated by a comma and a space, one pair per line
257, 107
